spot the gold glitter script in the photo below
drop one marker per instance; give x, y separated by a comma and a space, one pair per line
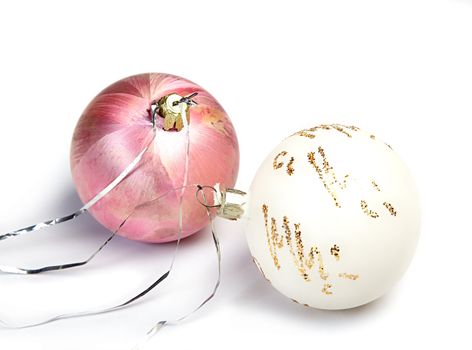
311, 132
335, 252
327, 175
390, 208
374, 184
332, 185
327, 289
303, 262
367, 211
279, 164
348, 276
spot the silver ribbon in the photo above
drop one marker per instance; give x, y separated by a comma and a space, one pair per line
87, 206
185, 103
159, 325
57, 221
123, 304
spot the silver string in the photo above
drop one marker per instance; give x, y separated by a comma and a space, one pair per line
159, 325
87, 205
119, 306
159, 280
183, 112
7, 269
185, 102
33, 271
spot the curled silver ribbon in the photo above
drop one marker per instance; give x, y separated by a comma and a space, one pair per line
57, 221
159, 325
159, 280
200, 189
87, 206
185, 103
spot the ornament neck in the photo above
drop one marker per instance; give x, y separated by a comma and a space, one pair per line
172, 108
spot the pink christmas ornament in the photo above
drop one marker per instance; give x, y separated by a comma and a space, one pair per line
117, 125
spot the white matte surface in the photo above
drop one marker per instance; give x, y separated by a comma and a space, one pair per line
372, 248
399, 68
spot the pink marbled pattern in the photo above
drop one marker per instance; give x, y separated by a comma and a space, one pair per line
116, 126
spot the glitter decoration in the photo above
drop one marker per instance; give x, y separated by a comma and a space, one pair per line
326, 289
374, 184
296, 249
327, 175
271, 236
348, 199
390, 208
277, 164
367, 211
348, 276
335, 252
311, 132
298, 258
290, 169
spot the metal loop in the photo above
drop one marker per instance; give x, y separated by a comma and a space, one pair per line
200, 189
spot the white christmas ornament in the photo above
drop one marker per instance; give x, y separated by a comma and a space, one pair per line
333, 217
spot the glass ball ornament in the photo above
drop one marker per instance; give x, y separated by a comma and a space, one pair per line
333, 217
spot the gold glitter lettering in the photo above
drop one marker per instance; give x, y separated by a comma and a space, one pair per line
296, 249
270, 242
335, 252
390, 208
311, 132
348, 276
374, 184
276, 163
290, 169
327, 175
367, 211
321, 268
326, 289
299, 257
341, 129
387, 205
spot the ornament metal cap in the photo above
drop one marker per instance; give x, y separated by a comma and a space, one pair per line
231, 202
168, 107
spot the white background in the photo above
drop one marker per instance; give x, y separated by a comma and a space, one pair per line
401, 69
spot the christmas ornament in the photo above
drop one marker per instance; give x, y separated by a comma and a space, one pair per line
133, 156
117, 125
333, 217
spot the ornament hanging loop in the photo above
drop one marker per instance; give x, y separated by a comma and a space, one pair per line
230, 202
200, 191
